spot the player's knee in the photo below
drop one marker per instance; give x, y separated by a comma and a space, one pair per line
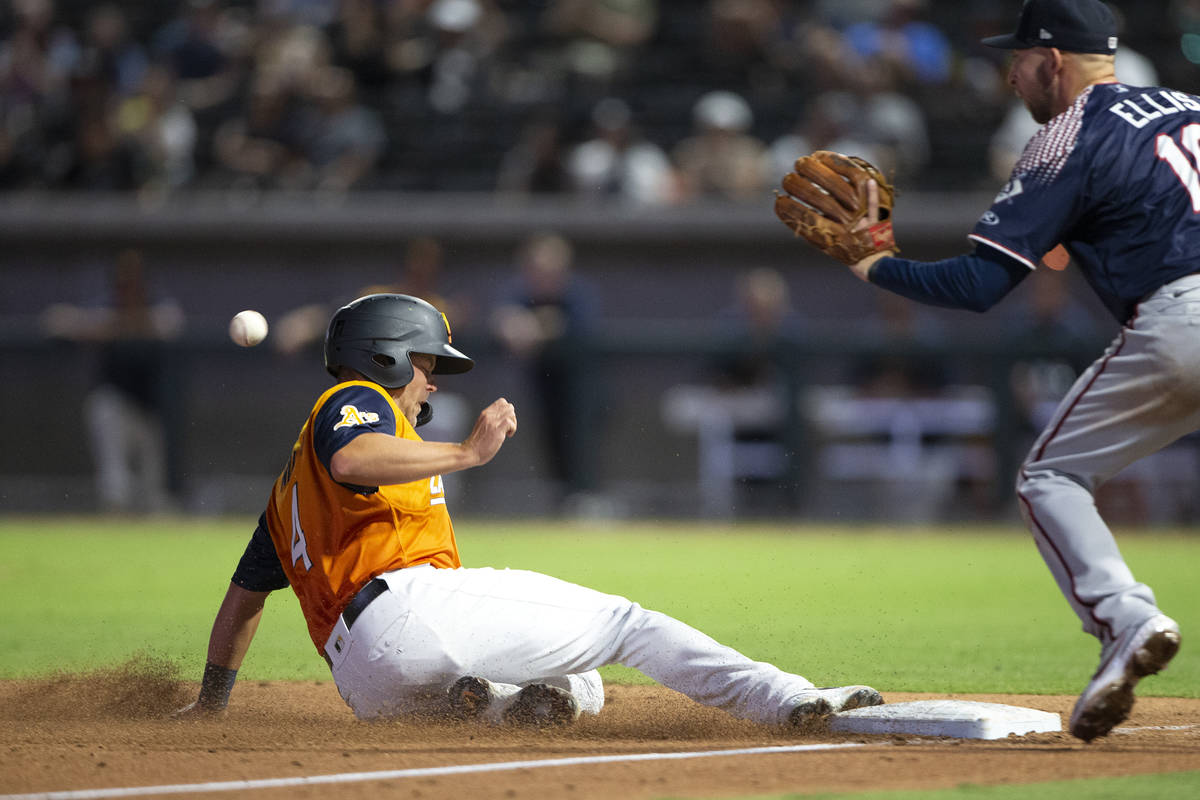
1035, 484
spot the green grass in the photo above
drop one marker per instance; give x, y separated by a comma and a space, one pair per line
948, 610
1139, 787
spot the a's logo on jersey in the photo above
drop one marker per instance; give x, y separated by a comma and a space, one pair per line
1010, 190
989, 218
351, 416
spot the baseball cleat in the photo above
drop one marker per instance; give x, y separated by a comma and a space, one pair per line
470, 697
541, 705
1139, 651
817, 704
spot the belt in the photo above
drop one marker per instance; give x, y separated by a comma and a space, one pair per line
357, 605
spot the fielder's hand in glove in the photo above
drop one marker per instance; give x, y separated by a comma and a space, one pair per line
842, 205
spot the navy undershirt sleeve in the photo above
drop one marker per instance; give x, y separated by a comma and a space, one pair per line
260, 570
974, 282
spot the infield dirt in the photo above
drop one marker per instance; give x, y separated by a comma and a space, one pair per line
113, 730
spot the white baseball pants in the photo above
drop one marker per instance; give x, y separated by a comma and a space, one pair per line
434, 626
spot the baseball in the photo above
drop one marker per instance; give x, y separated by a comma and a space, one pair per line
248, 328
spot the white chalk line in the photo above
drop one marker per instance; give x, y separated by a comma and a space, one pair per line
1139, 728
421, 772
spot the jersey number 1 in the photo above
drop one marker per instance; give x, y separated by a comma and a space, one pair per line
299, 543
1184, 167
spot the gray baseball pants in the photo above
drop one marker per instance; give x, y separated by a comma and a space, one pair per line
1140, 396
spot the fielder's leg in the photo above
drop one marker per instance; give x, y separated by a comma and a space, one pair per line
1140, 396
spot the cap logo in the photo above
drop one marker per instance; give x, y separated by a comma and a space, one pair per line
1112, 43
1045, 34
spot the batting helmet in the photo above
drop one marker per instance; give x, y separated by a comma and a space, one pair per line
374, 335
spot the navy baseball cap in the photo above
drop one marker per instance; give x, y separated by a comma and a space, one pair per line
1076, 26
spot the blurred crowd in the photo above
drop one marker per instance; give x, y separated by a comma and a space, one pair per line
645, 101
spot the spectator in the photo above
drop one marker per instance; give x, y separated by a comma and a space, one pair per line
722, 159
257, 148
128, 409
359, 42
896, 324
196, 44
466, 36
618, 162
832, 121
37, 60
110, 55
761, 317
100, 158
600, 37
541, 314
917, 53
1052, 317
738, 36
163, 129
344, 138
536, 164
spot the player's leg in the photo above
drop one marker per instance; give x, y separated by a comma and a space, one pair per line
389, 665
1140, 396
108, 418
513, 626
1143, 394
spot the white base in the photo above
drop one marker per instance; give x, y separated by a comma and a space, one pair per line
961, 719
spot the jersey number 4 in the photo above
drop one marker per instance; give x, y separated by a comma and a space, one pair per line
1185, 168
299, 543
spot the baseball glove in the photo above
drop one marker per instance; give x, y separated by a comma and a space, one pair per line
826, 198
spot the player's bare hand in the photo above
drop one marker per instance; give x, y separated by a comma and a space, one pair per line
863, 268
872, 207
495, 423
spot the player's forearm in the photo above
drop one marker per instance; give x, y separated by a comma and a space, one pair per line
376, 459
233, 630
973, 282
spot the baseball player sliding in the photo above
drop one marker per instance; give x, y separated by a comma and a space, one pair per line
1114, 176
357, 525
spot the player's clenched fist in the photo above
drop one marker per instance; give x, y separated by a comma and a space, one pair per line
496, 423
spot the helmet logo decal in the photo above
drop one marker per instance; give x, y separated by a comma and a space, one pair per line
351, 417
449, 338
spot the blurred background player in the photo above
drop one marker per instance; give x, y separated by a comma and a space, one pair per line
541, 312
134, 390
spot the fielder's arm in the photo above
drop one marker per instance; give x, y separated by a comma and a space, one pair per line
233, 630
975, 281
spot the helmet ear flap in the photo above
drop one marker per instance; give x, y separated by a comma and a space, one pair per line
424, 415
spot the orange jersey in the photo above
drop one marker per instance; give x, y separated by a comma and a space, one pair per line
332, 538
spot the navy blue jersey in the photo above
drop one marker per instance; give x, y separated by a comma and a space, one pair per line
1114, 179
